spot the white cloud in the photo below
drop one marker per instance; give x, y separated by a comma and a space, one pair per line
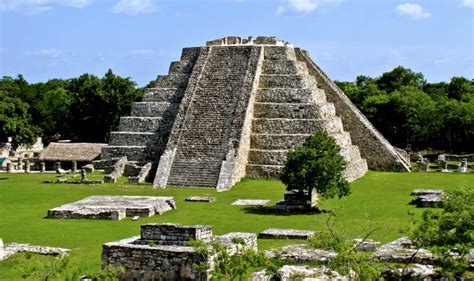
134, 7
38, 6
304, 6
468, 3
413, 11
51, 53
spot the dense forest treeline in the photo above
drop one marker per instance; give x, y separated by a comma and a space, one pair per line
410, 112
414, 114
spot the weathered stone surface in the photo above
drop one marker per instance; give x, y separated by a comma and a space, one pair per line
113, 207
10, 249
429, 201
413, 272
292, 272
207, 199
278, 233
402, 251
418, 192
301, 253
250, 202
236, 241
175, 234
162, 253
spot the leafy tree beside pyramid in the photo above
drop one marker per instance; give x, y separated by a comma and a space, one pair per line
316, 165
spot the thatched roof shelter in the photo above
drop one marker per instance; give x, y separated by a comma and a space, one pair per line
81, 152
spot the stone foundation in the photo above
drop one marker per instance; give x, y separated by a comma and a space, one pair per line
162, 252
113, 207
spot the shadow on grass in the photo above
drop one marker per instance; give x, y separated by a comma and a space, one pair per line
262, 210
3, 178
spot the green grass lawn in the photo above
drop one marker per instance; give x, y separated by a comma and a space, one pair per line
379, 201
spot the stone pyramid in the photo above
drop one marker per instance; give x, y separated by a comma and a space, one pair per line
234, 107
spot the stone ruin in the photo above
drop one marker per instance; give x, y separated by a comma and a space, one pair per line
162, 252
113, 207
234, 107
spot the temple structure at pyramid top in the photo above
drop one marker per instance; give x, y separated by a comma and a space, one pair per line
234, 107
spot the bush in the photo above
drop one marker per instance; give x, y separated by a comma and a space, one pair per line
449, 232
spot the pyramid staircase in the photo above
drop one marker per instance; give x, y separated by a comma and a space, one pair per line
288, 108
203, 144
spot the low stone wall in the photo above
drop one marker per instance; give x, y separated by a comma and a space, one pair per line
145, 262
160, 253
175, 234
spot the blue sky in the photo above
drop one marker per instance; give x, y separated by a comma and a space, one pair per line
44, 39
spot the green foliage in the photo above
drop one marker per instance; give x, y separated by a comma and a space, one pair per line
86, 108
348, 258
414, 114
15, 121
449, 232
317, 165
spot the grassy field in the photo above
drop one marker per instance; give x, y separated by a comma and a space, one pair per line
379, 201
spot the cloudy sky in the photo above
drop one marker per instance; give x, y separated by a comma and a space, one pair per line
44, 39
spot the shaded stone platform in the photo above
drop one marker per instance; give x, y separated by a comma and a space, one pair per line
113, 207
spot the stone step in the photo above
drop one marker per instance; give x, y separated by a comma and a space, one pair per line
279, 157
133, 153
294, 110
140, 124
284, 67
130, 138
172, 81
203, 173
181, 67
287, 141
190, 54
296, 126
350, 153
163, 94
291, 95
287, 81
263, 171
279, 53
355, 170
267, 157
154, 109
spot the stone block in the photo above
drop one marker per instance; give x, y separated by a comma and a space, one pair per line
207, 199
250, 202
277, 233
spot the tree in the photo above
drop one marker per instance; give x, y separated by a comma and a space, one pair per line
399, 77
15, 121
318, 165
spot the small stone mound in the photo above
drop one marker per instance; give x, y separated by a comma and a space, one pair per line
10, 249
412, 272
301, 253
402, 251
299, 272
428, 198
250, 202
207, 199
277, 233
